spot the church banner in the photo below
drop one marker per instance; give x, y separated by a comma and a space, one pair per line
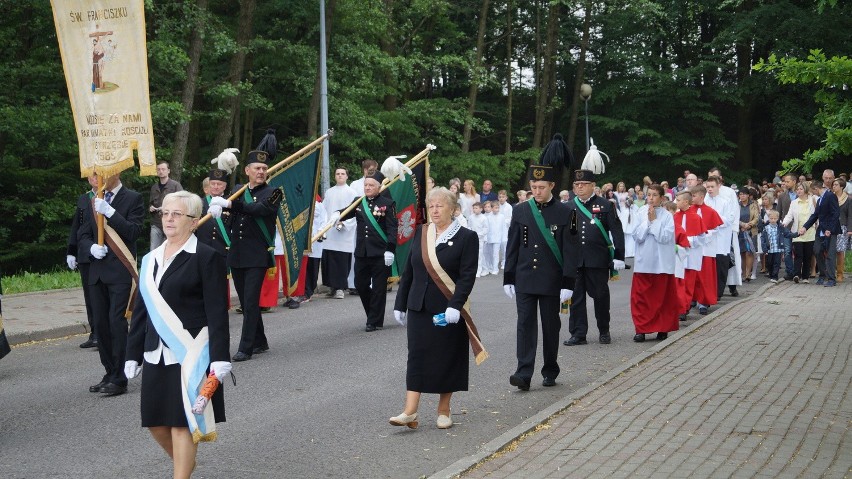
299, 180
409, 196
102, 43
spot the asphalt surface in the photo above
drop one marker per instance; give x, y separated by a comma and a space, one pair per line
315, 405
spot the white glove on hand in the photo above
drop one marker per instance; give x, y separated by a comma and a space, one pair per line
215, 211
220, 369
565, 295
400, 318
509, 289
388, 258
452, 315
98, 251
132, 369
104, 208
617, 264
220, 202
72, 262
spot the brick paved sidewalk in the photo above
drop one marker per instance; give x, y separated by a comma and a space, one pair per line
762, 389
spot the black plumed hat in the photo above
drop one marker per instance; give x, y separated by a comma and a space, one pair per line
554, 157
266, 149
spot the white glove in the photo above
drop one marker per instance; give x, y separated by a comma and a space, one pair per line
104, 208
509, 289
72, 261
220, 202
132, 369
388, 258
452, 315
215, 211
400, 318
565, 295
98, 251
335, 217
617, 264
220, 369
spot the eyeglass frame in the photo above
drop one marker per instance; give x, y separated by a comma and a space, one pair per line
174, 214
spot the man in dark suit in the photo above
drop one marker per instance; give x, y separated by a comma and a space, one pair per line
533, 270
215, 232
375, 245
113, 267
825, 247
252, 235
78, 259
590, 257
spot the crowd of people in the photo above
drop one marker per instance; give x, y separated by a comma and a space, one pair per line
697, 239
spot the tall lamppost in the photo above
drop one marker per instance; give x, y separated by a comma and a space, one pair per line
585, 94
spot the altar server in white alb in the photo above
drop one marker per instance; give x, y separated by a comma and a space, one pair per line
653, 304
340, 241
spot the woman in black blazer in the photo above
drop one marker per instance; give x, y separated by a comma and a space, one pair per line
182, 276
438, 358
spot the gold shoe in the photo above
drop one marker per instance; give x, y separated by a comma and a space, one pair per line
444, 422
405, 420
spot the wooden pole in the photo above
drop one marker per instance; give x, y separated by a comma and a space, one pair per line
416, 160
99, 218
272, 169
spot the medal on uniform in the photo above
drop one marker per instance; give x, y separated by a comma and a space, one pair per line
592, 221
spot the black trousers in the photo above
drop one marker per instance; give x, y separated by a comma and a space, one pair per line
247, 282
84, 277
335, 269
312, 270
773, 264
595, 283
109, 303
723, 264
825, 250
802, 253
548, 309
371, 281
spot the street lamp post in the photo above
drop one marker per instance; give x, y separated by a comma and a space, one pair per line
585, 94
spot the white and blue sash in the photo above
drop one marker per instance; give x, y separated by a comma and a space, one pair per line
193, 354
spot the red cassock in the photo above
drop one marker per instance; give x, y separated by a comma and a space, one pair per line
706, 288
650, 304
684, 293
269, 289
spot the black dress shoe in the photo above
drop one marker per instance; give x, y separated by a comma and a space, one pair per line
89, 343
605, 338
260, 349
241, 356
735, 293
682, 317
662, 336
97, 387
548, 382
370, 328
639, 338
111, 389
238, 310
519, 382
574, 341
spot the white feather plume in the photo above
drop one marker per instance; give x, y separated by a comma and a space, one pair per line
593, 160
392, 167
226, 160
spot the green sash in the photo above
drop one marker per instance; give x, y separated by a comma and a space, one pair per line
270, 241
369, 215
548, 236
222, 227
612, 273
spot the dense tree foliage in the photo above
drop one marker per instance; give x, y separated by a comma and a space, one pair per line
674, 88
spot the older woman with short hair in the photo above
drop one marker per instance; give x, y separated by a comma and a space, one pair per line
438, 358
179, 331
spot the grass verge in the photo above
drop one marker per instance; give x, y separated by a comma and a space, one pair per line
31, 282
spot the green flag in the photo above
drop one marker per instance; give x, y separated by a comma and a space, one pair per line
408, 196
298, 181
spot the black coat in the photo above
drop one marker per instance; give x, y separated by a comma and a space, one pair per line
584, 246
210, 234
368, 243
458, 257
84, 202
530, 264
193, 288
127, 222
249, 246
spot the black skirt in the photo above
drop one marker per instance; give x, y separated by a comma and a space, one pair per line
162, 404
438, 358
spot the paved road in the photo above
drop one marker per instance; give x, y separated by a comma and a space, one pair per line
316, 405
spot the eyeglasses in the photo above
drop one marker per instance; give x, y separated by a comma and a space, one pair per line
174, 214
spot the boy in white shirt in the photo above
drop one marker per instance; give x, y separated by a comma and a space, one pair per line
494, 238
479, 224
506, 211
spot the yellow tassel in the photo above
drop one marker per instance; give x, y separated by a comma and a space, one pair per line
481, 357
198, 437
271, 272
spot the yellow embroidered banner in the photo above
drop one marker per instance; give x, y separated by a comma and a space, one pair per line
102, 43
